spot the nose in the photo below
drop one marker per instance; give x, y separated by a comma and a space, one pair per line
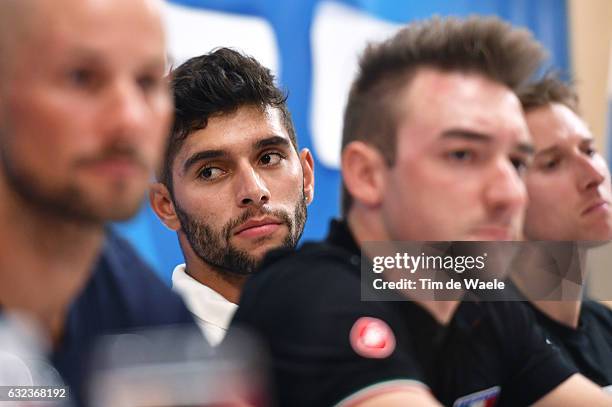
589, 176
505, 193
251, 188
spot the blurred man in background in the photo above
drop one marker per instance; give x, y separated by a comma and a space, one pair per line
233, 185
84, 109
434, 148
570, 198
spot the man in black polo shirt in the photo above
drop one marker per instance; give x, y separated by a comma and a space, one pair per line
567, 164
84, 111
434, 147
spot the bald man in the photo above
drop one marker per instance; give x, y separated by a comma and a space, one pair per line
84, 110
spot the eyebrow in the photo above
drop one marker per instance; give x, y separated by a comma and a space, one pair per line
202, 156
211, 154
467, 135
549, 150
525, 148
589, 141
271, 141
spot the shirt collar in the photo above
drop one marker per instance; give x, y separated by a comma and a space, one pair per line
204, 302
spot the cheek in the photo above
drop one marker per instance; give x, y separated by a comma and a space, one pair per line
285, 185
48, 127
204, 205
544, 191
44, 144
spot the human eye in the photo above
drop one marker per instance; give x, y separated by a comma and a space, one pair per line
271, 158
520, 164
210, 173
83, 78
550, 164
148, 82
589, 150
461, 155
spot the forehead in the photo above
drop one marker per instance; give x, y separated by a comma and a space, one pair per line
556, 124
117, 31
436, 101
234, 133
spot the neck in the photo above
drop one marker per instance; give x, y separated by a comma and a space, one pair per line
227, 285
44, 263
365, 227
535, 280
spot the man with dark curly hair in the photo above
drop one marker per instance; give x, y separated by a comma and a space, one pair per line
233, 185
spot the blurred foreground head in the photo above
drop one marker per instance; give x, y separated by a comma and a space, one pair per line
83, 105
434, 142
569, 181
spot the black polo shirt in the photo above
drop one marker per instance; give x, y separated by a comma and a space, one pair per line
122, 294
589, 347
326, 344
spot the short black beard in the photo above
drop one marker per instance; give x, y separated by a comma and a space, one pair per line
214, 249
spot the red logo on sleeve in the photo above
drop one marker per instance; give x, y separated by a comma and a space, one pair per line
372, 338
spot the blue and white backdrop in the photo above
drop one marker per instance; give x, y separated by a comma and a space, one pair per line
312, 46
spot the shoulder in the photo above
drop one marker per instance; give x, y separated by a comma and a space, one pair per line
598, 313
306, 306
315, 266
122, 278
311, 295
598, 310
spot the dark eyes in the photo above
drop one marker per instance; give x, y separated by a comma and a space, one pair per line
468, 156
271, 158
91, 79
82, 77
520, 165
461, 155
212, 173
554, 162
148, 82
551, 164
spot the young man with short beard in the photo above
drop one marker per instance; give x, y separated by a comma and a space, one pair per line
84, 113
233, 185
570, 199
434, 148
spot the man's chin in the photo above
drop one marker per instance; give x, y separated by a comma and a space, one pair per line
99, 213
259, 252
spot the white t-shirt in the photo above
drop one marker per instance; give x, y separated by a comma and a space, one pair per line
210, 309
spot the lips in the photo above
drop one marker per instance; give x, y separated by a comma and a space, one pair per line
258, 226
493, 232
599, 204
